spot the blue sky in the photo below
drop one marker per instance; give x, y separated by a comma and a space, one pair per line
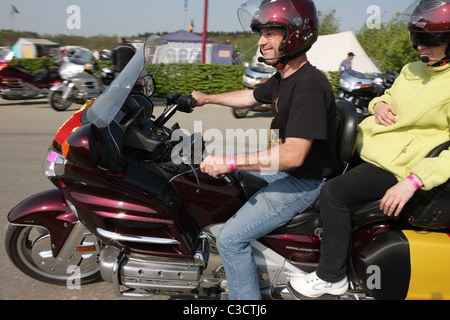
126, 18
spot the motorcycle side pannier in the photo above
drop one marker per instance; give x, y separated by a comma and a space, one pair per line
429, 209
405, 264
384, 267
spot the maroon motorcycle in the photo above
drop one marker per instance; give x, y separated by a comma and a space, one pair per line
18, 84
133, 207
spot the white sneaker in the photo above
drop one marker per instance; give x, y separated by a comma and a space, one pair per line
311, 286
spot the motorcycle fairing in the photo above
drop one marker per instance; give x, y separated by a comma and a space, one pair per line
49, 210
73, 123
13, 72
206, 205
114, 204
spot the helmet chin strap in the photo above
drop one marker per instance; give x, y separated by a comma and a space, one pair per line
282, 63
284, 58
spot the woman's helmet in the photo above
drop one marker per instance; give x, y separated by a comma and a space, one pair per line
297, 18
429, 23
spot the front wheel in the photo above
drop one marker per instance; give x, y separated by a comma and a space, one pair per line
57, 102
29, 248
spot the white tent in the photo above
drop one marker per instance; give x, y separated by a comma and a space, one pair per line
186, 47
330, 50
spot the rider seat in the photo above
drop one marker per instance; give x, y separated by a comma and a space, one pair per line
40, 76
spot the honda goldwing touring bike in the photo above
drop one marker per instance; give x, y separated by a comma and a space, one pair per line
130, 207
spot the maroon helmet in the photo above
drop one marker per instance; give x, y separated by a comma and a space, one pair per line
297, 18
429, 23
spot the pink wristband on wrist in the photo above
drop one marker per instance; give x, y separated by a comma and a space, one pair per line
231, 162
415, 183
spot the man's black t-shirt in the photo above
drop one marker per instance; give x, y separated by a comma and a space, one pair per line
303, 106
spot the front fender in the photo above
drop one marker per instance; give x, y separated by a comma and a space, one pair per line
49, 210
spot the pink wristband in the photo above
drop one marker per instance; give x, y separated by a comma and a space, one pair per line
415, 183
231, 162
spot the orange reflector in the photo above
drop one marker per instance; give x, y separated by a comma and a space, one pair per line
86, 249
365, 86
65, 148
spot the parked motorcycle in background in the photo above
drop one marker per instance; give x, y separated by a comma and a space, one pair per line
18, 84
253, 77
132, 205
360, 88
81, 83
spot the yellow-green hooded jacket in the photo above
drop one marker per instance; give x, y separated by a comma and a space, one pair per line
421, 96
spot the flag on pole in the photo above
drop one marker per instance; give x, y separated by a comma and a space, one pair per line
185, 5
191, 27
14, 9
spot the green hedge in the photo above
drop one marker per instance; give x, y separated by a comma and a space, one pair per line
33, 65
334, 77
183, 78
206, 78
186, 78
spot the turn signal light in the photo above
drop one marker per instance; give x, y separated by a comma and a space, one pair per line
86, 249
4, 65
65, 148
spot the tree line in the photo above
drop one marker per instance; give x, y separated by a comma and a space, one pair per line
389, 46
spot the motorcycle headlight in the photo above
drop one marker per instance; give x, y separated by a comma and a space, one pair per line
347, 86
54, 164
250, 82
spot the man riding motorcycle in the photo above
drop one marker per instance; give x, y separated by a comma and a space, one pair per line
303, 110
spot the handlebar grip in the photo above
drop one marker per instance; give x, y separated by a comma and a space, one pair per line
186, 104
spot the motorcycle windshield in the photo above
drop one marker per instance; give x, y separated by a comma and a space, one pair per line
106, 107
82, 56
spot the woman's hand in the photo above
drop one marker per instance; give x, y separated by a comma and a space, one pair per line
385, 114
396, 197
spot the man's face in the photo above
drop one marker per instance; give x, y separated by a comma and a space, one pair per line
269, 42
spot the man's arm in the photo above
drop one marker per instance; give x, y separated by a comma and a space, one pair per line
235, 99
288, 155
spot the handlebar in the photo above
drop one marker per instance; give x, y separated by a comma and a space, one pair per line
184, 103
177, 102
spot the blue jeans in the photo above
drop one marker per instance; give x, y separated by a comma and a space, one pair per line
270, 208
